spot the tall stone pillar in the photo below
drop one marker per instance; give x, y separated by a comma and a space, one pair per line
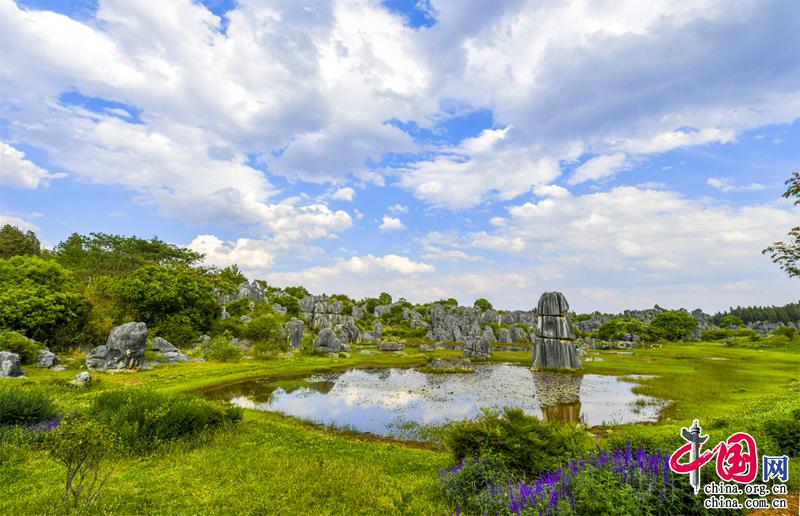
555, 338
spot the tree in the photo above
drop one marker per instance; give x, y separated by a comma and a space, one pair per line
172, 295
39, 298
731, 320
483, 304
673, 325
385, 298
14, 242
787, 254
116, 255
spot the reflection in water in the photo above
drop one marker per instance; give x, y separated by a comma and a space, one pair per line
380, 401
565, 412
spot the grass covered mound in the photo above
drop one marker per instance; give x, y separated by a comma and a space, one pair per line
25, 407
144, 418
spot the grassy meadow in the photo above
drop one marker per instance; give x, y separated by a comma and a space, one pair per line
269, 463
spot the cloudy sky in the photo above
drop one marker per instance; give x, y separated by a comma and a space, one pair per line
625, 153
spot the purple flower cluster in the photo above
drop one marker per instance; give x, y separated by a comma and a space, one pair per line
638, 467
46, 425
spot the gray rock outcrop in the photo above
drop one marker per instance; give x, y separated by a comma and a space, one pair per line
555, 339
504, 335
124, 349
47, 359
162, 345
328, 342
480, 347
10, 365
295, 331
390, 345
82, 378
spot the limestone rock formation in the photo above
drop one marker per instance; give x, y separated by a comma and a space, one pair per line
10, 365
124, 348
390, 345
81, 378
47, 359
162, 345
480, 347
555, 339
328, 342
295, 331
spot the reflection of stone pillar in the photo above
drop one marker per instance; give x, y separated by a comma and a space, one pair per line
564, 413
555, 338
554, 389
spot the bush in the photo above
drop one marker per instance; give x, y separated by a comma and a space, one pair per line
25, 407
526, 444
239, 307
615, 329
27, 349
233, 326
790, 332
296, 292
290, 303
785, 433
483, 304
87, 451
731, 320
178, 329
269, 348
220, 348
265, 328
468, 485
673, 325
144, 419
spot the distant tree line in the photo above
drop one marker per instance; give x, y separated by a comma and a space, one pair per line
785, 314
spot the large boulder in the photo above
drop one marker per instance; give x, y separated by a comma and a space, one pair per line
10, 366
47, 359
162, 346
480, 347
390, 345
328, 342
555, 338
504, 335
124, 349
295, 331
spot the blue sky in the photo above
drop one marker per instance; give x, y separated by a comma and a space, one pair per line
626, 155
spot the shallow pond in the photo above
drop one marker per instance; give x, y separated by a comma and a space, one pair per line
384, 401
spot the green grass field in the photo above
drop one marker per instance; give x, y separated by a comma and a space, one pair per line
270, 463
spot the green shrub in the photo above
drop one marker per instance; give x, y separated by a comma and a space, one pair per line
296, 292
266, 328
731, 320
144, 419
239, 307
483, 304
307, 344
178, 329
87, 451
525, 443
785, 433
673, 325
615, 329
599, 491
290, 303
220, 348
266, 349
790, 332
22, 406
27, 349
468, 485
232, 326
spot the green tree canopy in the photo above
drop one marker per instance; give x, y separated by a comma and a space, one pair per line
14, 242
483, 304
673, 325
39, 298
787, 254
731, 320
116, 255
159, 294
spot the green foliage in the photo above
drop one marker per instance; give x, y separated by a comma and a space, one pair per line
787, 254
267, 349
347, 303
526, 444
393, 316
599, 491
731, 320
154, 293
721, 333
307, 344
38, 298
14, 242
673, 325
790, 332
385, 298
227, 280
233, 326
290, 303
22, 406
785, 314
264, 328
27, 349
785, 433
178, 328
220, 348
615, 329
145, 419
239, 307
483, 304
296, 292
87, 451
116, 255
469, 488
